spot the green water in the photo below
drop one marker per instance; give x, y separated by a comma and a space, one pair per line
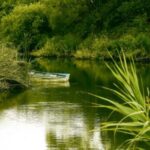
60, 116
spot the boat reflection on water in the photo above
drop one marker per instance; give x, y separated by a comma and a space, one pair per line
44, 84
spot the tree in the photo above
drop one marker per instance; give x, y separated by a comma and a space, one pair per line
26, 26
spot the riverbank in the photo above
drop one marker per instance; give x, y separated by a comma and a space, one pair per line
13, 71
98, 47
105, 56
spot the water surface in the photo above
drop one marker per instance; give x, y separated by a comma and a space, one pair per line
59, 116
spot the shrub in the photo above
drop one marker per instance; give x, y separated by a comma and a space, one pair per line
85, 54
97, 46
64, 14
59, 46
5, 8
26, 26
93, 47
87, 43
143, 42
12, 71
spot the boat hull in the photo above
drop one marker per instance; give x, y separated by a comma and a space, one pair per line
49, 77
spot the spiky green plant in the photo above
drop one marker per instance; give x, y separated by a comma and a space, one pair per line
134, 104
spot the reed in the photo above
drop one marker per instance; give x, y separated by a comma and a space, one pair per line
134, 104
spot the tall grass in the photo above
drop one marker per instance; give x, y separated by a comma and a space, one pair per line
134, 105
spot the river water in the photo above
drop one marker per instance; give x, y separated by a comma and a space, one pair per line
60, 116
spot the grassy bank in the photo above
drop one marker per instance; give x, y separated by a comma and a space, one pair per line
97, 47
132, 103
13, 72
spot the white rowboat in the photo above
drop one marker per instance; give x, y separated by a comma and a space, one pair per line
49, 77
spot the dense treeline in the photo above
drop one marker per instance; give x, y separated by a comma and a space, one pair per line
79, 28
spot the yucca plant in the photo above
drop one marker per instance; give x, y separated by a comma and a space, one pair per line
134, 104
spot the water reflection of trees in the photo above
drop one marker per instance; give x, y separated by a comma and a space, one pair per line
67, 120
86, 71
68, 116
68, 129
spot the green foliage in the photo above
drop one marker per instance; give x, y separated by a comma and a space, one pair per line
93, 47
26, 27
58, 46
98, 26
126, 42
133, 104
143, 42
63, 14
97, 46
12, 71
5, 8
7, 52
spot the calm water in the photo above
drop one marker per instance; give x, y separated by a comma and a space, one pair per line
59, 116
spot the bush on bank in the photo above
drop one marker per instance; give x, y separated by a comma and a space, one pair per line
13, 72
26, 27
